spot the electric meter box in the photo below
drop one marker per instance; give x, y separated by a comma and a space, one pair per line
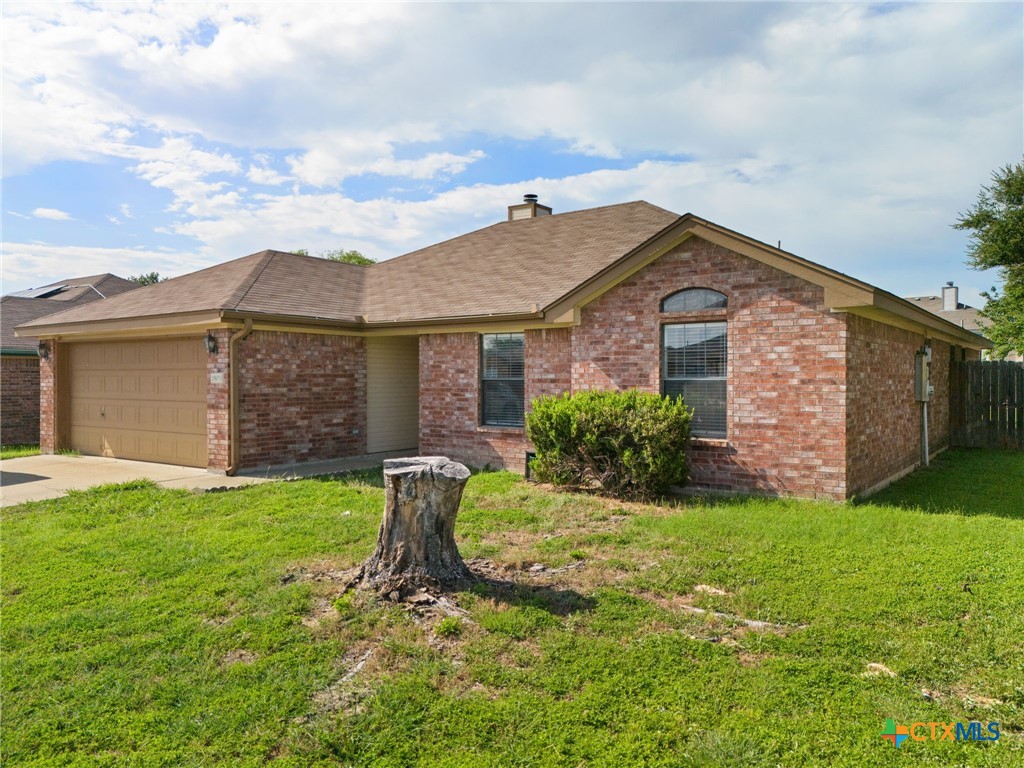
922, 375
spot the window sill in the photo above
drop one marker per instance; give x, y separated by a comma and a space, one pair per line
709, 442
501, 430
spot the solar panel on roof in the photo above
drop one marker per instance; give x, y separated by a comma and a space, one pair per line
40, 293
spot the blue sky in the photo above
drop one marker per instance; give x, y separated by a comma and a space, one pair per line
167, 137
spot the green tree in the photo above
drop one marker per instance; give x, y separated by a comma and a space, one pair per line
147, 279
996, 224
346, 257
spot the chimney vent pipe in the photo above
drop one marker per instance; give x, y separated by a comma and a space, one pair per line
950, 297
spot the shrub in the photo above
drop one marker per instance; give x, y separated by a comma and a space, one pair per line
630, 444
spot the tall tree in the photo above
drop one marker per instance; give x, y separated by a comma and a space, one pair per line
147, 279
996, 224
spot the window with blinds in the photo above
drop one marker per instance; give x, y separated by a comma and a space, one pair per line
694, 364
501, 380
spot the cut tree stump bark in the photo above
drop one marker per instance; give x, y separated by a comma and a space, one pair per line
416, 543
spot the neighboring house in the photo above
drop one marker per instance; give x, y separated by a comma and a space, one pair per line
949, 306
802, 378
19, 358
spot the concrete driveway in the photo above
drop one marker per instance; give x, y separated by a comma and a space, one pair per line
46, 477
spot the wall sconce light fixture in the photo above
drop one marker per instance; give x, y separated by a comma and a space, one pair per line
211, 343
44, 350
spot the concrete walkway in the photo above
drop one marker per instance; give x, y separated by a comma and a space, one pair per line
34, 478
328, 467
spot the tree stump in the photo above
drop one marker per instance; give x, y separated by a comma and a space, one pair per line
416, 543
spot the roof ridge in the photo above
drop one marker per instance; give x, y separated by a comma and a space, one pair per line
537, 218
254, 275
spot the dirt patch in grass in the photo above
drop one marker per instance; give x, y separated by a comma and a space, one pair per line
238, 656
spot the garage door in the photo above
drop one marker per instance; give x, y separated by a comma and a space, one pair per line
142, 400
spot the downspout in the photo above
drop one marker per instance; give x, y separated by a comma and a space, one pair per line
233, 396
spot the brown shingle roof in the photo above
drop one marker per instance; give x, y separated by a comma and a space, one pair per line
268, 282
509, 267
506, 268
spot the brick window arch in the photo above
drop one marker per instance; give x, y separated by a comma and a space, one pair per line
694, 299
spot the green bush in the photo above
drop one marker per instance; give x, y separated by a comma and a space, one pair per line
629, 444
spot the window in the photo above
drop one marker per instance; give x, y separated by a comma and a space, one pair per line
694, 359
693, 299
501, 379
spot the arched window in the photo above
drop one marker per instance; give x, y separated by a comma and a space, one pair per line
695, 360
692, 299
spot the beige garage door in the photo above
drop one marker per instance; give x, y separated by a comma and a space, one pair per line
142, 400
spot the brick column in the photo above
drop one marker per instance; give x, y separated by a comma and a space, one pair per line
218, 405
48, 397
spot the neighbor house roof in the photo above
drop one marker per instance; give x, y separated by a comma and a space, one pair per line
964, 315
540, 270
269, 282
26, 306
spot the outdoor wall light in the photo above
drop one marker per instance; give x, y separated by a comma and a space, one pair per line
44, 350
211, 343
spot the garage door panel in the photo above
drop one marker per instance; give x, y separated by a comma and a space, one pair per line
140, 400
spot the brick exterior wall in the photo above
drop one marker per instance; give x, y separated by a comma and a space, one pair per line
19, 399
450, 395
302, 397
883, 424
218, 403
786, 379
786, 382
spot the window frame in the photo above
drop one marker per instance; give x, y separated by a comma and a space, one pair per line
664, 377
724, 306
482, 418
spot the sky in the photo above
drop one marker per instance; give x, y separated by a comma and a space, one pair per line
167, 137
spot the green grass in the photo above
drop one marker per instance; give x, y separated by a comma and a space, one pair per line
964, 482
17, 451
148, 627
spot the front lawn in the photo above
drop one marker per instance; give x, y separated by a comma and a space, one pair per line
17, 451
150, 627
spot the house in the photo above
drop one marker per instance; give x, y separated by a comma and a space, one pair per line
19, 359
801, 378
949, 306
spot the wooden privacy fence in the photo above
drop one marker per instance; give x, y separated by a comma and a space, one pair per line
986, 404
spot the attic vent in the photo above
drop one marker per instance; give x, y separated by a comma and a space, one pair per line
528, 209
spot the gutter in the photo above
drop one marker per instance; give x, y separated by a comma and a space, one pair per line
233, 419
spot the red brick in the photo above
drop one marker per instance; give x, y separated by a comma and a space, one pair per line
19, 399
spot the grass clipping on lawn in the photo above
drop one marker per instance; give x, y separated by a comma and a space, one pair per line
144, 626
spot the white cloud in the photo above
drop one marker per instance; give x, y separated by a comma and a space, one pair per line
28, 264
852, 136
181, 168
54, 214
261, 174
126, 211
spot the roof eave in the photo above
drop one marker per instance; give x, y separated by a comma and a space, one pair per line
117, 325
